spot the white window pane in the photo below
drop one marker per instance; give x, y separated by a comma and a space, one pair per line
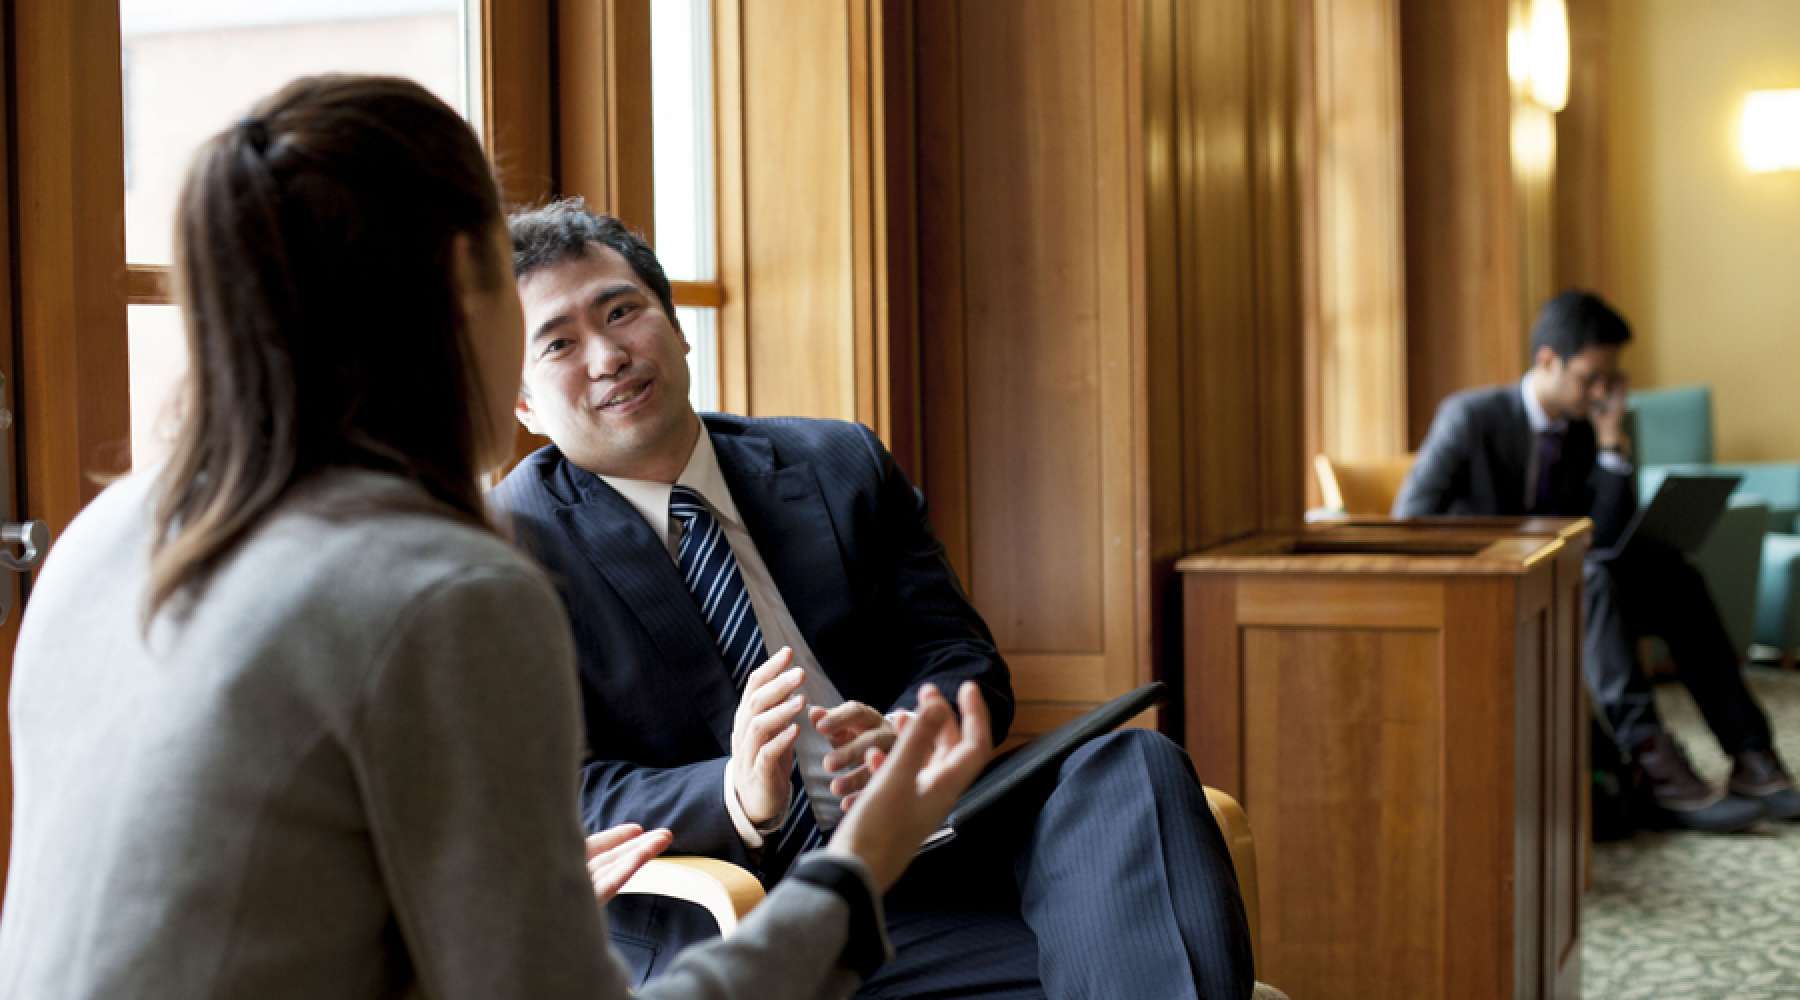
702, 329
192, 67
681, 54
158, 361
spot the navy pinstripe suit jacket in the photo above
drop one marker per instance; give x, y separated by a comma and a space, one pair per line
846, 538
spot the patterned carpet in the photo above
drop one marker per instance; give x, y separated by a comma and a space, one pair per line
1691, 915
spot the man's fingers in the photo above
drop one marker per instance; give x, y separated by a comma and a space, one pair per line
852, 713
849, 753
772, 760
783, 659
777, 690
767, 724
850, 782
611, 837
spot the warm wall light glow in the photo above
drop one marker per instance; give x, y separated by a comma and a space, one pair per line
1548, 43
1533, 141
1771, 130
1518, 50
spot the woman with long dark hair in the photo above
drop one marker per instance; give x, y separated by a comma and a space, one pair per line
289, 718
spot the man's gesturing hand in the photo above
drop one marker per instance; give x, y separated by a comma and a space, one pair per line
615, 854
933, 761
853, 729
762, 737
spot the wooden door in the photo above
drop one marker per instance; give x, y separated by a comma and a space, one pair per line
63, 346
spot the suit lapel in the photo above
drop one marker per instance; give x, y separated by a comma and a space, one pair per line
786, 514
1516, 444
614, 539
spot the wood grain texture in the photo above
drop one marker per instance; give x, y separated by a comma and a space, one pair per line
733, 267
71, 390
1284, 599
1345, 779
1027, 312
1462, 232
1415, 774
605, 136
67, 353
1582, 245
1479, 708
1108, 347
798, 237
1352, 197
518, 106
1212, 682
9, 491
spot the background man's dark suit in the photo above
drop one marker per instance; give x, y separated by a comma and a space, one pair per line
846, 539
1477, 457
1476, 460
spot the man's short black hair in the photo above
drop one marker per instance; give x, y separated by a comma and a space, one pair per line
1575, 320
563, 230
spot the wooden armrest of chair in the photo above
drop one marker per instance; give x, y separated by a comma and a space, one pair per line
722, 888
1236, 828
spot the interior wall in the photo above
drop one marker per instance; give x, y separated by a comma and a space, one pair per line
1464, 230
1705, 252
1108, 321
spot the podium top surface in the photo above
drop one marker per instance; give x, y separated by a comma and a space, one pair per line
1437, 546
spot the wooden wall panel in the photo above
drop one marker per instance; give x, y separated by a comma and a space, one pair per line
1462, 220
1035, 349
518, 106
1027, 309
65, 283
797, 235
815, 202
1583, 220
1354, 246
606, 137
1276, 169
1109, 357
1311, 701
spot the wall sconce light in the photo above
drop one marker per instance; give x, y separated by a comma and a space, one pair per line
1770, 134
1537, 53
1550, 54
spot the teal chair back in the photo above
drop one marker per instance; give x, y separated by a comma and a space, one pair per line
1672, 426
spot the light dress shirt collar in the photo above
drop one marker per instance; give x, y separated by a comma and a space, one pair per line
1534, 410
702, 474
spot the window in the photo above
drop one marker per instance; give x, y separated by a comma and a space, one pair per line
686, 216
191, 68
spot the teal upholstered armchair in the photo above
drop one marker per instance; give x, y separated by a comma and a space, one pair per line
1672, 431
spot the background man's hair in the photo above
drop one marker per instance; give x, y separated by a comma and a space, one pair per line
1575, 320
562, 230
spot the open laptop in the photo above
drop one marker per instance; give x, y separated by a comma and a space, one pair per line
1680, 516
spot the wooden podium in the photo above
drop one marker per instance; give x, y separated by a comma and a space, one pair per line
1399, 707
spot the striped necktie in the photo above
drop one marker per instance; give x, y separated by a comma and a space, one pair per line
710, 570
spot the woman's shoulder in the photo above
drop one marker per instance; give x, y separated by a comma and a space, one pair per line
383, 538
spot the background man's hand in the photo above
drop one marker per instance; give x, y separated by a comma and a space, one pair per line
853, 729
1608, 415
615, 854
933, 761
762, 737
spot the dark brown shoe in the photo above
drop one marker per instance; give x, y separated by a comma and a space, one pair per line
1760, 776
1684, 798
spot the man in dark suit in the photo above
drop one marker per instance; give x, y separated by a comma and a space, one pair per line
1554, 444
687, 549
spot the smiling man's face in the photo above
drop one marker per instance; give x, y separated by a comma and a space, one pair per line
606, 374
